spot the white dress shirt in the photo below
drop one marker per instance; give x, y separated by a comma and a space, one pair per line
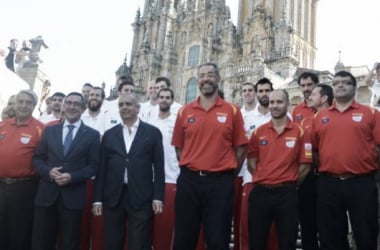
66, 129
96, 122
128, 136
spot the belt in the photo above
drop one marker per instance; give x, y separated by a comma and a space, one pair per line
208, 173
345, 176
13, 180
278, 185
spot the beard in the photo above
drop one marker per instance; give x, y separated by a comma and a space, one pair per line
94, 105
164, 108
264, 101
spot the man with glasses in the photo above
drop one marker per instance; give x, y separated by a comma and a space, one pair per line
346, 136
67, 156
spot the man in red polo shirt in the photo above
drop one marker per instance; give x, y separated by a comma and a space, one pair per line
210, 142
19, 138
346, 136
307, 81
274, 196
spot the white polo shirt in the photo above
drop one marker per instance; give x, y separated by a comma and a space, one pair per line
166, 126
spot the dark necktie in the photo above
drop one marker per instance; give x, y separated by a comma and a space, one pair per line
68, 139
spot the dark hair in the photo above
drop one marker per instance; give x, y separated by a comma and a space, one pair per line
326, 90
103, 95
123, 82
344, 73
59, 94
262, 81
307, 74
164, 79
166, 90
87, 84
216, 69
83, 103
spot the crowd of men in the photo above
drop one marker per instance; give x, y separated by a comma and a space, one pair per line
115, 175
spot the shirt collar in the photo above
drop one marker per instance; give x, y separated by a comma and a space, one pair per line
76, 124
134, 126
354, 105
196, 104
26, 123
288, 125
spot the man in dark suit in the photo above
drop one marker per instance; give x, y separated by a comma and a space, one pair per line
129, 185
66, 157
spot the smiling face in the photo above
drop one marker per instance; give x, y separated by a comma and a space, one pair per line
208, 80
95, 100
73, 108
24, 106
307, 85
344, 89
278, 104
128, 107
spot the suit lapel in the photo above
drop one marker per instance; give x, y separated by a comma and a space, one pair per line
119, 141
59, 132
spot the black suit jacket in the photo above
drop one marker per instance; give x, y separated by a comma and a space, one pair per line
144, 164
81, 161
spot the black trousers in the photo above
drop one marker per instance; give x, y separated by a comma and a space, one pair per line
207, 201
16, 214
54, 220
266, 205
137, 222
358, 196
307, 197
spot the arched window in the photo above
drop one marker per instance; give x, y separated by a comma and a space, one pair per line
193, 55
191, 90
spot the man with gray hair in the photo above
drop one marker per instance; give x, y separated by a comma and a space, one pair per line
19, 137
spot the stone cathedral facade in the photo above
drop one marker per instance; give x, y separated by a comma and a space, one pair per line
273, 38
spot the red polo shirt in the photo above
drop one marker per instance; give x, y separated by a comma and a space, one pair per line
278, 155
17, 145
301, 111
347, 140
208, 137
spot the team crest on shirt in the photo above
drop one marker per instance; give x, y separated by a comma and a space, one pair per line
263, 142
325, 120
290, 143
2, 136
299, 117
113, 121
357, 117
25, 140
191, 120
252, 127
221, 117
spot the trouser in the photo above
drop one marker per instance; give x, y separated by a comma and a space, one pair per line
16, 214
207, 201
358, 196
266, 205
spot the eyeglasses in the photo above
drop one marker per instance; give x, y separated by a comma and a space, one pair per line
344, 82
75, 104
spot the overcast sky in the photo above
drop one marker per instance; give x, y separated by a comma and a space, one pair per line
88, 39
